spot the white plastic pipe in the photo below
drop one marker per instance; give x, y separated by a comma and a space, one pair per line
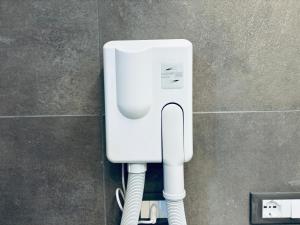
134, 194
173, 159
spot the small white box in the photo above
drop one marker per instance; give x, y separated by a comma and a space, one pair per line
141, 77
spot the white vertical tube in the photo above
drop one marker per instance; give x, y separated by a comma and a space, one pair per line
173, 152
173, 159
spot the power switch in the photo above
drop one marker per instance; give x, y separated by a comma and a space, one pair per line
172, 76
275, 208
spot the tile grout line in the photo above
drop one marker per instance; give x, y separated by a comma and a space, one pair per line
101, 115
243, 112
49, 116
103, 176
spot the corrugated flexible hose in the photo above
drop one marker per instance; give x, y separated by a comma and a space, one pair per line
176, 213
133, 202
133, 198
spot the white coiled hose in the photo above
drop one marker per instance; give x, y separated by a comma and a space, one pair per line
176, 213
134, 194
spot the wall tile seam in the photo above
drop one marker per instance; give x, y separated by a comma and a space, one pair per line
103, 115
50, 116
244, 112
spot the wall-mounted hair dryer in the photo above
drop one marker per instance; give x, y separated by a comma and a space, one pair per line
148, 106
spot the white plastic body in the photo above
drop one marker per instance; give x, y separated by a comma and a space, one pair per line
141, 77
296, 209
281, 208
133, 82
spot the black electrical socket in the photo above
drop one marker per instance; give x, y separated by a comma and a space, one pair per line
256, 207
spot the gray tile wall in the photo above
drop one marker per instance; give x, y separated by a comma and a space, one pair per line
51, 134
246, 102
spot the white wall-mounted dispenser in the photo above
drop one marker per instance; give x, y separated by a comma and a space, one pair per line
148, 113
